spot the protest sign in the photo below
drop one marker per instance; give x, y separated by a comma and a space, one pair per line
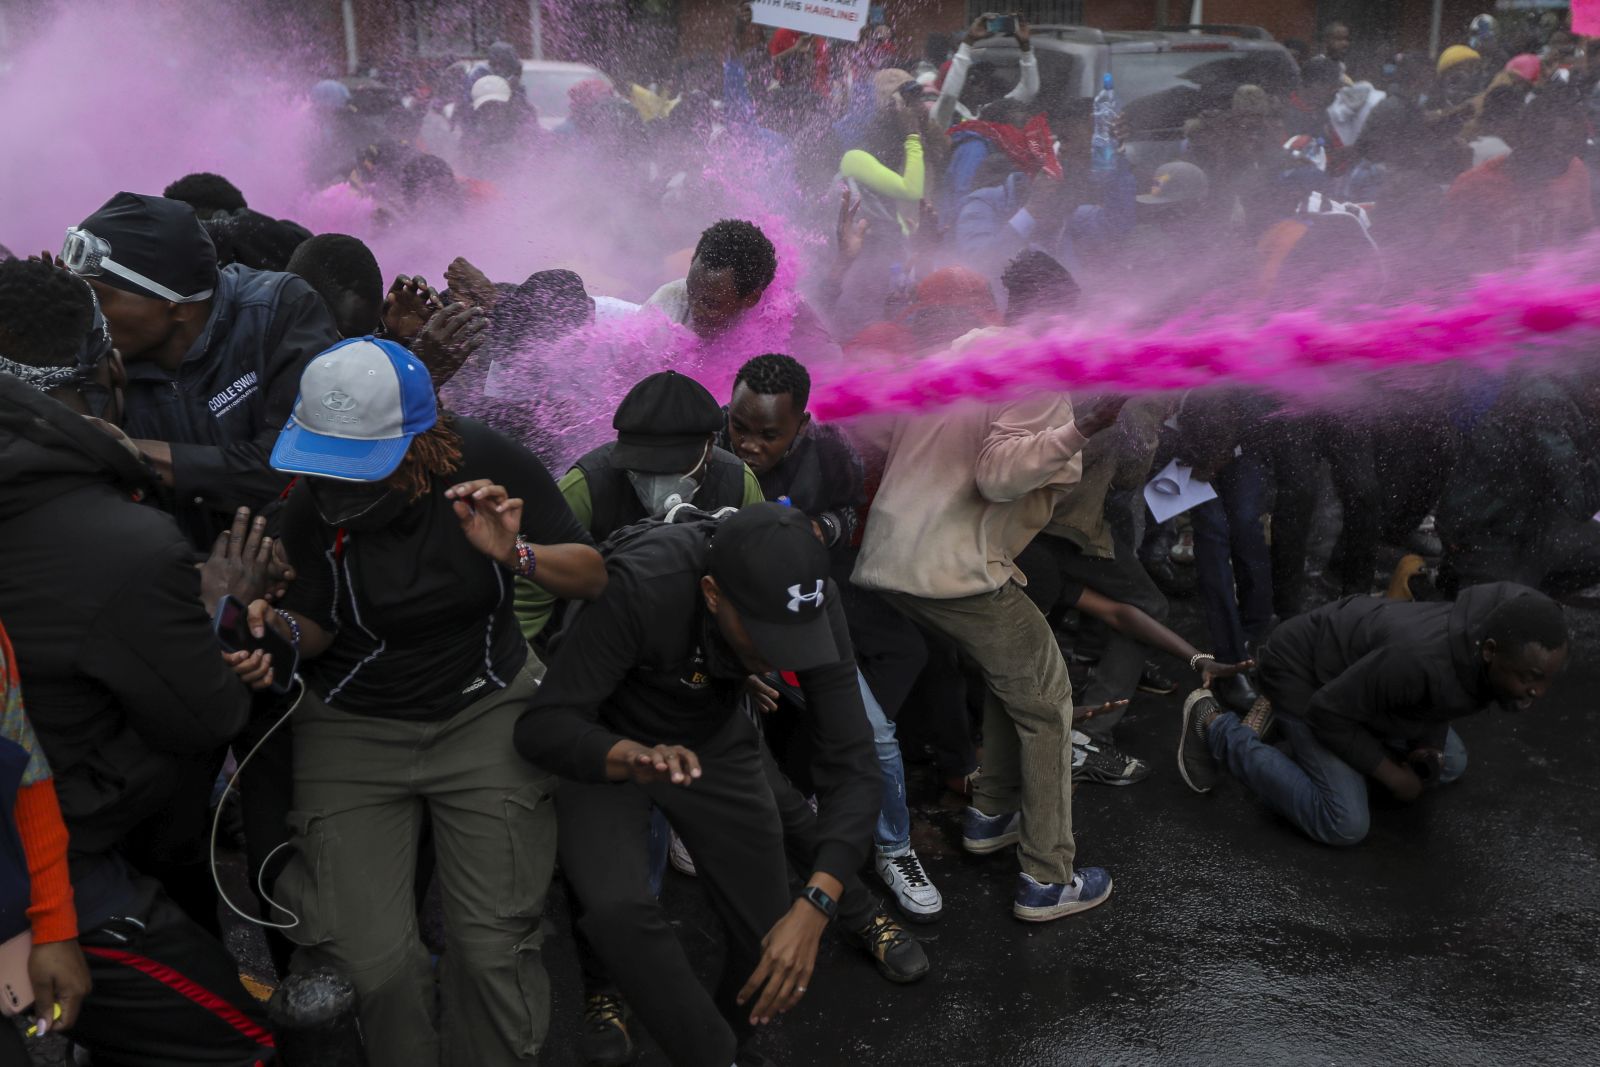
843, 19
1586, 17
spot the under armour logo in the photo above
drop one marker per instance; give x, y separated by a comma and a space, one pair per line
796, 597
334, 400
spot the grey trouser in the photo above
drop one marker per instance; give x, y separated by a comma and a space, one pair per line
1027, 717
360, 787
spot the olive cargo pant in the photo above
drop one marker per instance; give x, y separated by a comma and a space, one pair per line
360, 786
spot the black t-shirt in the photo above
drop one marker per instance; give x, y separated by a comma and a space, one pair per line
423, 620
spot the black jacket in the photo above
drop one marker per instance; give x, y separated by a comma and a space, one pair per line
1362, 670
645, 662
824, 477
231, 395
120, 670
1532, 458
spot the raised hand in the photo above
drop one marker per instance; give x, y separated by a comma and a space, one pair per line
450, 338
241, 562
470, 285
490, 518
850, 233
410, 303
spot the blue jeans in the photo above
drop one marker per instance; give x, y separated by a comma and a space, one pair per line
1318, 792
1232, 565
893, 832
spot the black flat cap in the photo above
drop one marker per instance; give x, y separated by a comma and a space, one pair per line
663, 423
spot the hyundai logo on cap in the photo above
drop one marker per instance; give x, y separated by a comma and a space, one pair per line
369, 399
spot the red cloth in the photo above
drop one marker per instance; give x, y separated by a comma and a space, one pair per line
44, 839
1494, 216
957, 288
587, 92
1031, 148
881, 338
783, 40
38, 817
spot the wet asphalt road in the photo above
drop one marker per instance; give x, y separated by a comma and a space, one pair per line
1465, 930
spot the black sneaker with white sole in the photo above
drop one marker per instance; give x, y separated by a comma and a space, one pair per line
1101, 763
1196, 765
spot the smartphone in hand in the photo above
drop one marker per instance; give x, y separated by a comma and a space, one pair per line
1002, 26
232, 626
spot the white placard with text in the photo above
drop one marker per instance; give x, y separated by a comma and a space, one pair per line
843, 19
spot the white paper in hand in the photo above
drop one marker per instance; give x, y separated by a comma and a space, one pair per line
1174, 491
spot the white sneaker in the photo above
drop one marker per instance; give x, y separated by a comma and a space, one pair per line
916, 895
679, 856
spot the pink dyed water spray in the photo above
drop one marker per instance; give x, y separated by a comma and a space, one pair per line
163, 104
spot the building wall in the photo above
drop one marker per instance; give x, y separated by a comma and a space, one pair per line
386, 30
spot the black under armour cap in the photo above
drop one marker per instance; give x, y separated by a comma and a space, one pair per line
146, 245
767, 560
663, 423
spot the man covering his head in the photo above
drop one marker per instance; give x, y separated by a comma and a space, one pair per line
213, 355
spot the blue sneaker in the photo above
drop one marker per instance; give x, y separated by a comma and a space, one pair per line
982, 834
1039, 903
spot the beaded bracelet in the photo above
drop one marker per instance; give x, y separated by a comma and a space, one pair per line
1194, 660
294, 627
527, 563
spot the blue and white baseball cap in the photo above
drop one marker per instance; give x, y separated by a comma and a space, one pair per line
361, 402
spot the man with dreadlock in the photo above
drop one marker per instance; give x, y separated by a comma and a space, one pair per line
407, 528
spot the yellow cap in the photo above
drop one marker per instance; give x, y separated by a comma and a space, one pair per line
1455, 55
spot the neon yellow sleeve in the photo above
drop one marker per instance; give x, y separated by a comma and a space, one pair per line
532, 603
864, 168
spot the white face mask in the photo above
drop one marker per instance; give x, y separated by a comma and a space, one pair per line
660, 493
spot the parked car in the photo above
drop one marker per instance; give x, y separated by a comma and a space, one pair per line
546, 83
1162, 77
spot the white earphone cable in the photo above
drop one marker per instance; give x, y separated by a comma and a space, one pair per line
216, 821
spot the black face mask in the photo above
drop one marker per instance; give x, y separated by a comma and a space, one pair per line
361, 506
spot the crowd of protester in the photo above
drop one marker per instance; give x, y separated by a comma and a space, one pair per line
716, 641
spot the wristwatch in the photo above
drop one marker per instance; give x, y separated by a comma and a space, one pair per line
821, 901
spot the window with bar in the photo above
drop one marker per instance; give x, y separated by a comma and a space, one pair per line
1037, 12
450, 27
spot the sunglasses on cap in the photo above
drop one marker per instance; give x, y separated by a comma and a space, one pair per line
89, 256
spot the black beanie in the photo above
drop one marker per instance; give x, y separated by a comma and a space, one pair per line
158, 238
